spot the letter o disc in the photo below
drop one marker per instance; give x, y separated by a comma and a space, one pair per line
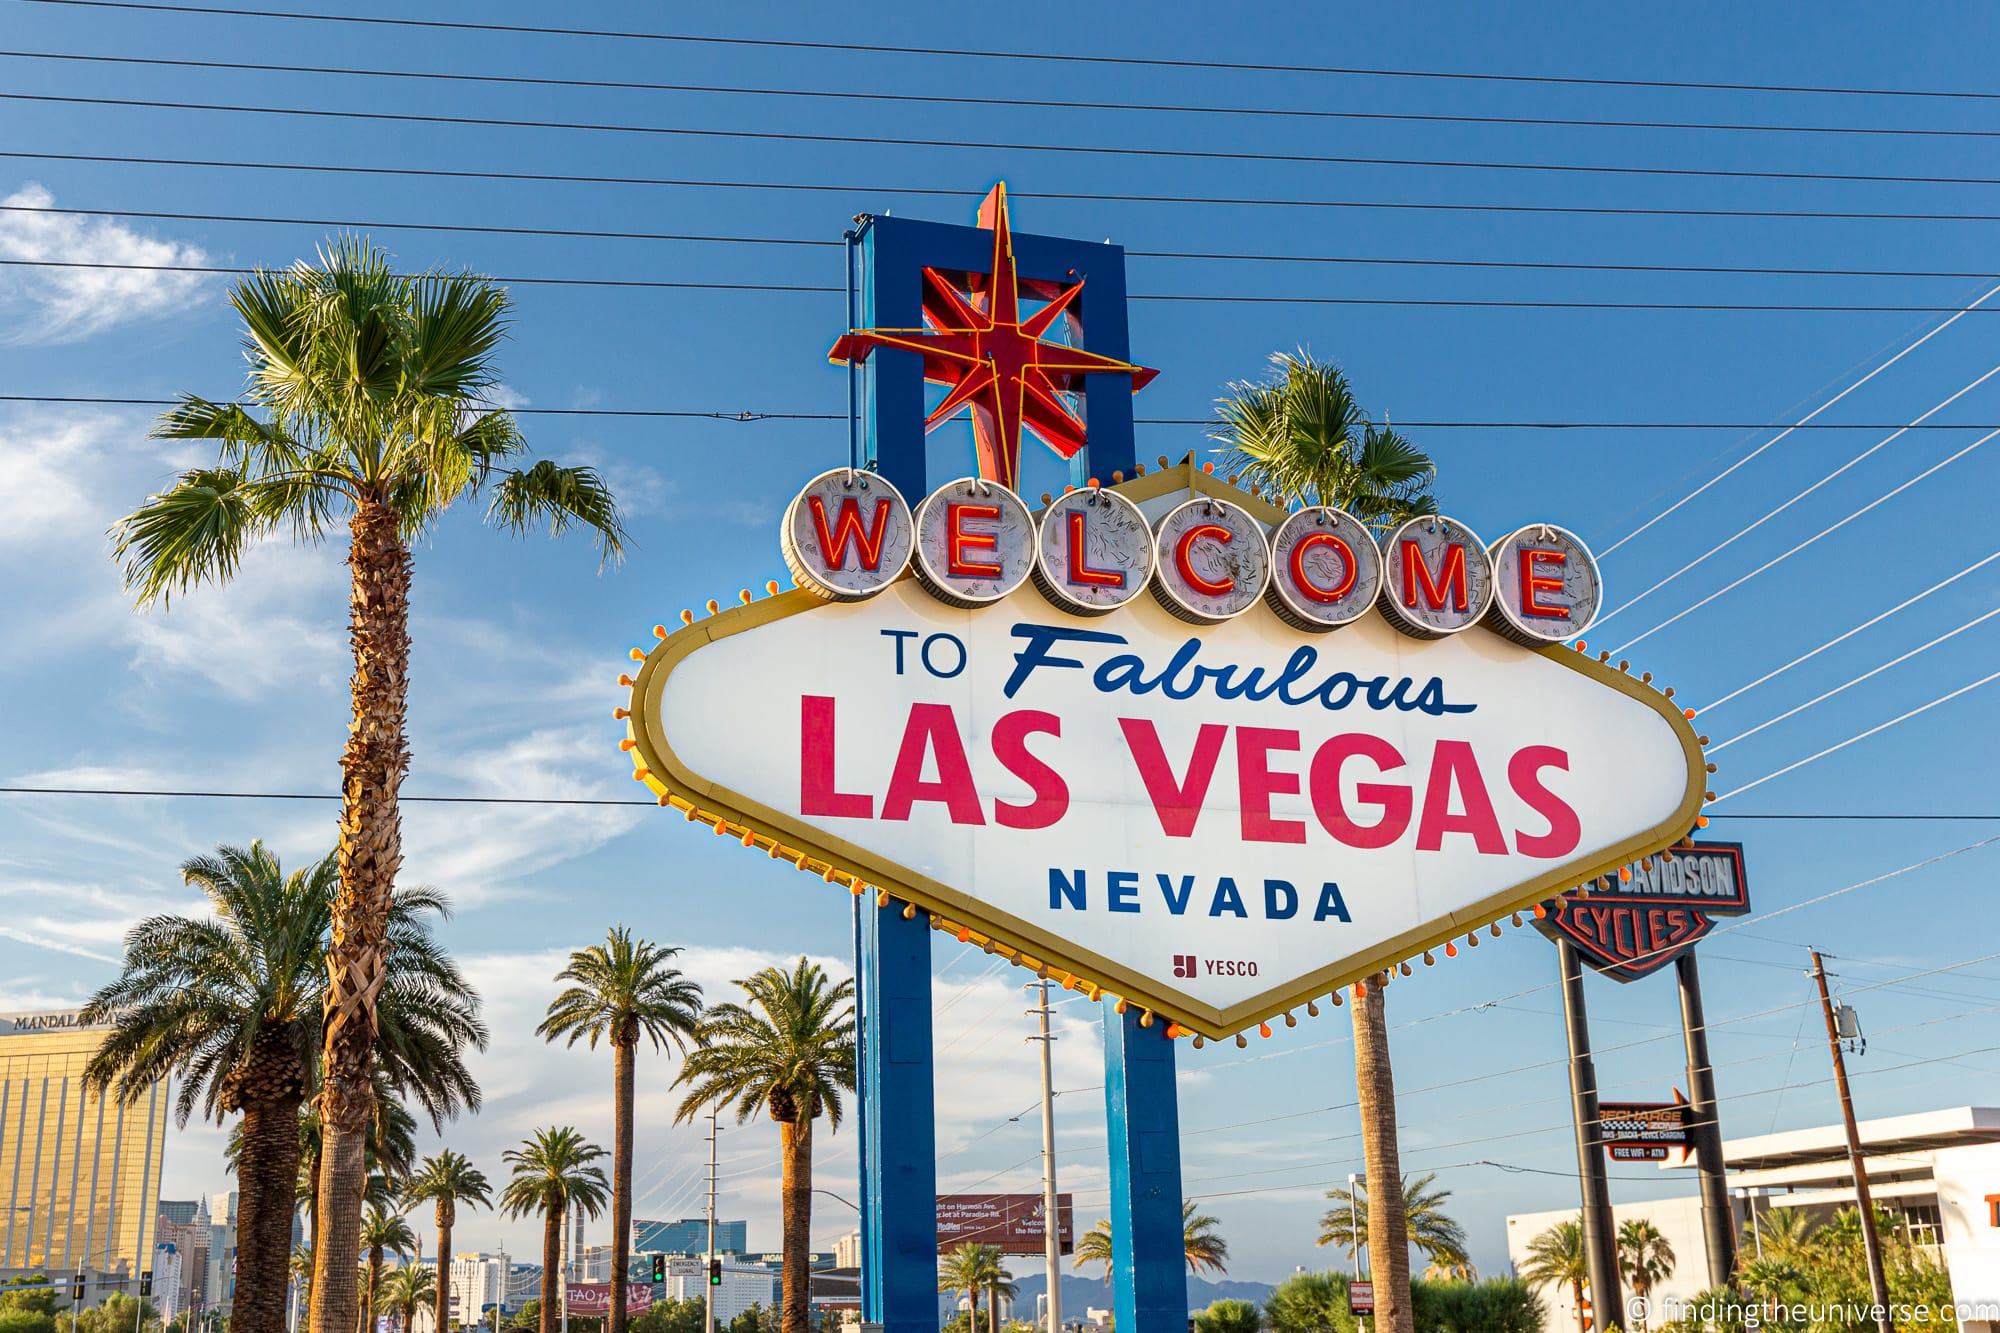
1546, 585
1325, 570
1095, 553
1210, 561
847, 535
1436, 577
991, 552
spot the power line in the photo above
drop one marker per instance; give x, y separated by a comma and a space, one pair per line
1842, 638
988, 145
1385, 261
1064, 57
1864, 735
1787, 554
1804, 420
1772, 513
755, 416
941, 192
1866, 675
1048, 103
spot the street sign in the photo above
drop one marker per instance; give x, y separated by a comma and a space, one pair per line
1011, 1221
684, 1266
1637, 920
1645, 1131
1361, 1298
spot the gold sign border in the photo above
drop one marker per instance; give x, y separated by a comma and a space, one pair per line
813, 849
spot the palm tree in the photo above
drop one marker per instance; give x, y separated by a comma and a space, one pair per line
972, 1268
446, 1179
553, 1172
1645, 1257
1301, 434
382, 1233
1203, 1248
1437, 1236
234, 1005
1556, 1259
405, 1288
1200, 1245
1780, 1233
621, 990
790, 1050
369, 400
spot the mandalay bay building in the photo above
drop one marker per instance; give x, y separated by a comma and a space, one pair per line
79, 1173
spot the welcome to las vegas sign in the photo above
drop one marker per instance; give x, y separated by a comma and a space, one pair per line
1235, 782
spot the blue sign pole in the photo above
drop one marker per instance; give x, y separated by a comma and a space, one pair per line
899, 1152
1142, 1110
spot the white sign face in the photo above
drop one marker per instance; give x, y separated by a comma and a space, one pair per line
1219, 822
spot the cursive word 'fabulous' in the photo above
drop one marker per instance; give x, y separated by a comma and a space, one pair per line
1298, 681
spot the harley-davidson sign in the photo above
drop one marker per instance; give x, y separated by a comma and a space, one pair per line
1641, 919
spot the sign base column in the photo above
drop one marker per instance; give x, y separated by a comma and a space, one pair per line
1142, 1111
899, 1155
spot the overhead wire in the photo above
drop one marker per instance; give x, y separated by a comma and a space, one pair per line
1870, 674
1789, 552
1094, 197
1056, 57
988, 145
1780, 508
1702, 489
967, 99
1875, 730
1872, 621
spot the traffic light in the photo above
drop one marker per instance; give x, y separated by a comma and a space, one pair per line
659, 1268
146, 1283
76, 1288
715, 1272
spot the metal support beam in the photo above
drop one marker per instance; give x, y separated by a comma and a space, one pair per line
899, 1185
1599, 1237
1718, 1219
1142, 1111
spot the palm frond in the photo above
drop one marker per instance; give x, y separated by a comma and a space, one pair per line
561, 498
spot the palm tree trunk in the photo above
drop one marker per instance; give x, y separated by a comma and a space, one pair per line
1576, 1294
267, 1173
551, 1261
992, 1307
795, 1189
624, 1050
371, 851
1388, 1229
374, 1281
447, 1213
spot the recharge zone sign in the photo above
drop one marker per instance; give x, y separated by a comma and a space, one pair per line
1164, 739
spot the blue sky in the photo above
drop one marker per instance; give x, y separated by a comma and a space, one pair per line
519, 642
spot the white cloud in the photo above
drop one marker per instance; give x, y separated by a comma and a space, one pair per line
71, 304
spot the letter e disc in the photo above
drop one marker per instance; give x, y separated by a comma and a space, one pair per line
847, 535
1210, 561
1095, 553
1436, 577
1546, 587
1325, 570
975, 542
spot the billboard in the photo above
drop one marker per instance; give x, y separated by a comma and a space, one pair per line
595, 1297
1637, 921
1645, 1131
1011, 1221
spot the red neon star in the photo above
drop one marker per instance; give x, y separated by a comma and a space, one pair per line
998, 364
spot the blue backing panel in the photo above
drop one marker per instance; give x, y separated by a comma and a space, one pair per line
1142, 1111
899, 1153
895, 251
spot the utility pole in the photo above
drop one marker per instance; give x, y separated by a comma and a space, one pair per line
1871, 1244
1354, 1229
1051, 1214
707, 1276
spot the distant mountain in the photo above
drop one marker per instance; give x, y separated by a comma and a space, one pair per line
1081, 1292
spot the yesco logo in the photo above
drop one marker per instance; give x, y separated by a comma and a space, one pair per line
1187, 965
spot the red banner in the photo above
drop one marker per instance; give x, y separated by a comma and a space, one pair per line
595, 1297
1011, 1221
